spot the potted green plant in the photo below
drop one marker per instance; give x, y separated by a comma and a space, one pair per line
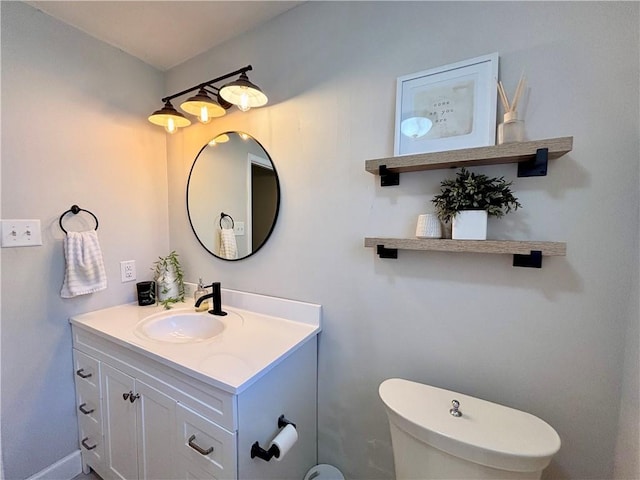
469, 199
169, 279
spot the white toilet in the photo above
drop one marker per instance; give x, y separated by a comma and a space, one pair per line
439, 434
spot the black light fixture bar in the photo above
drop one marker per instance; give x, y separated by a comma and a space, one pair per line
209, 83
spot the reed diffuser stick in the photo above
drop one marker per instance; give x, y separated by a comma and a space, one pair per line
519, 90
503, 97
511, 107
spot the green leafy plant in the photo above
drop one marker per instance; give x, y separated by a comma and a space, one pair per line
169, 278
473, 191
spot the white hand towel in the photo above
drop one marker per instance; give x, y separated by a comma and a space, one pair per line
228, 246
84, 272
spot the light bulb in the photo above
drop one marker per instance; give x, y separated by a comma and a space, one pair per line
170, 127
204, 114
244, 101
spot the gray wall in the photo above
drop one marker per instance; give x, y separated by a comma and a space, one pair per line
549, 341
74, 130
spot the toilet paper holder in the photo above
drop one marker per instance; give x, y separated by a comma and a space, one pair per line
274, 451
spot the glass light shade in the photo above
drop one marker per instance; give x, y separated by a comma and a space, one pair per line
203, 106
415, 127
243, 94
169, 118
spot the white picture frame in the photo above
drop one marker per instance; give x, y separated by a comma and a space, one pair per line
447, 108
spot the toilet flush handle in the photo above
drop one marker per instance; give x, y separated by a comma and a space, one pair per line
454, 411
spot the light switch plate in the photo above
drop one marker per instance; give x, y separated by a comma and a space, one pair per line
21, 233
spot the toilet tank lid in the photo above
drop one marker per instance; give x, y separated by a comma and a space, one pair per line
487, 433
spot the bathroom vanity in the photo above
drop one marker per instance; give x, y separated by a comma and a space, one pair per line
155, 402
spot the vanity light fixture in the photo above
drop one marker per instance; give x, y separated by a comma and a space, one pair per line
203, 106
240, 92
243, 94
169, 118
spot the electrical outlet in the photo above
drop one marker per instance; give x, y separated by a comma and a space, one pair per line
238, 228
128, 270
21, 233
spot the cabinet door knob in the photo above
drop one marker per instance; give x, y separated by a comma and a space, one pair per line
84, 410
86, 445
81, 373
197, 447
125, 396
133, 398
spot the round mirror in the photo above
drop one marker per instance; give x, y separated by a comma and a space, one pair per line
233, 196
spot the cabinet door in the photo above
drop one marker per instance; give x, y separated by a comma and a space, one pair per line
156, 434
120, 426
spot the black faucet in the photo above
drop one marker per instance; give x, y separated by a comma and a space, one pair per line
216, 298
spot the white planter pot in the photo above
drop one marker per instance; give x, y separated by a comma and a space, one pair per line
470, 225
167, 286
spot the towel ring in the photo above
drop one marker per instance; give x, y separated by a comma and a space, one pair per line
75, 209
223, 215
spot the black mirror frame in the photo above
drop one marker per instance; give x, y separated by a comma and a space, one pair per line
277, 210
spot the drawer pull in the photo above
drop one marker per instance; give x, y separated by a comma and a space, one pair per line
197, 447
81, 373
84, 410
85, 445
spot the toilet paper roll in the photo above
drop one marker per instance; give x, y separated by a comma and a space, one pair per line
287, 437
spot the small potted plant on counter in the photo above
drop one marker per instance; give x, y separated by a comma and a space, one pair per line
469, 199
169, 278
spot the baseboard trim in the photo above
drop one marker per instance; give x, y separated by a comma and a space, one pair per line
64, 469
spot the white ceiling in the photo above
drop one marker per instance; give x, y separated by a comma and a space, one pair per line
164, 33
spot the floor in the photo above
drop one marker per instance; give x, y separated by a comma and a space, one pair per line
90, 476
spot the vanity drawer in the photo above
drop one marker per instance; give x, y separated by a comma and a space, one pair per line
205, 444
88, 406
86, 371
91, 442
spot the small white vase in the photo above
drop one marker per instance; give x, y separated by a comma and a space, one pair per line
167, 286
470, 225
428, 226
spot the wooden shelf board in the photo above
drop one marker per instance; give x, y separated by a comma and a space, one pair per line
472, 246
492, 155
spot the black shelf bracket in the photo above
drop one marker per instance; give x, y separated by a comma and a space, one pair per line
536, 167
533, 260
387, 177
386, 252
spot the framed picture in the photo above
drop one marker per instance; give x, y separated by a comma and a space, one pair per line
447, 108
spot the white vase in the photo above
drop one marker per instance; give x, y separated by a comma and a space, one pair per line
470, 225
428, 226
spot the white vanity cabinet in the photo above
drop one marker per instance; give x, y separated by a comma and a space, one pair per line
143, 417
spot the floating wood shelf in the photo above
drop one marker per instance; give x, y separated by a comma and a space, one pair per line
531, 157
526, 253
521, 152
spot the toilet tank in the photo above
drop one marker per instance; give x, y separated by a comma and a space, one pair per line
487, 440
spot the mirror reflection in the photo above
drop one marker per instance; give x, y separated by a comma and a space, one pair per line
233, 195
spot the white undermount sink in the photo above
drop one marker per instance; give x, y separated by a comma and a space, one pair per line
180, 326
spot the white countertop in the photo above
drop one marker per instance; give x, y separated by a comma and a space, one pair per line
259, 332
